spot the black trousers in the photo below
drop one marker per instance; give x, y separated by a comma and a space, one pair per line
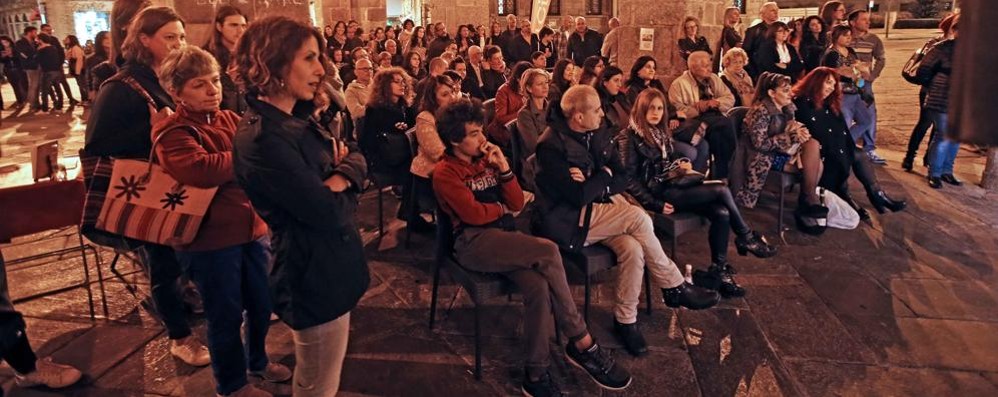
918, 133
713, 201
720, 136
164, 279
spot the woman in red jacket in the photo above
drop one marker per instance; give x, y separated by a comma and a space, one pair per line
508, 101
228, 259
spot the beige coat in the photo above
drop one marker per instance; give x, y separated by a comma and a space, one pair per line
431, 148
683, 94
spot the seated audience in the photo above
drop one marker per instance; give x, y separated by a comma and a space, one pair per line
736, 78
509, 100
562, 78
642, 76
494, 76
701, 100
609, 85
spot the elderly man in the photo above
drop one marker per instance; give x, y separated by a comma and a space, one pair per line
579, 180
584, 42
509, 34
437, 66
359, 90
611, 42
347, 72
520, 47
701, 99
472, 84
564, 32
754, 36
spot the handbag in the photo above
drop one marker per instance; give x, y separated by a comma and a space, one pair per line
910, 69
145, 203
676, 177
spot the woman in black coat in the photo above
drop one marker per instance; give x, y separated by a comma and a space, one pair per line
818, 98
649, 153
692, 41
776, 55
305, 185
813, 42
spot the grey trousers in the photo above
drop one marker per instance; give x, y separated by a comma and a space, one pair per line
319, 354
534, 265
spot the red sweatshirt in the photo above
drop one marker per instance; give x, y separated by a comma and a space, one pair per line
230, 219
471, 193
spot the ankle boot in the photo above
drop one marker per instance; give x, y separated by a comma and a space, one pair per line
632, 339
728, 287
755, 243
882, 202
690, 297
908, 163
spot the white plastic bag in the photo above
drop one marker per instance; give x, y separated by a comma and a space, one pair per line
840, 214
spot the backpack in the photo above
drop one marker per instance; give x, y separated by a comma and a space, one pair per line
910, 69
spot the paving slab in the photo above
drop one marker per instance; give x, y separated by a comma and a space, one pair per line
849, 292
932, 343
840, 379
731, 355
944, 299
799, 324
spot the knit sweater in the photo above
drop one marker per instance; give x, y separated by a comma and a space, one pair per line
475, 194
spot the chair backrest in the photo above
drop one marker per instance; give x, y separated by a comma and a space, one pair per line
515, 147
410, 134
490, 110
39, 207
737, 117
444, 246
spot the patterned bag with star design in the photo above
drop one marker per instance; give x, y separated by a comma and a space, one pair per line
145, 203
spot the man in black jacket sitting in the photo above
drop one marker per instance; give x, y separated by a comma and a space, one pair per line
579, 178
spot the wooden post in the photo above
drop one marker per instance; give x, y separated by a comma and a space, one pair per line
989, 181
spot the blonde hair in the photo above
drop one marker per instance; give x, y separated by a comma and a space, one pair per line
574, 99
185, 64
731, 54
528, 79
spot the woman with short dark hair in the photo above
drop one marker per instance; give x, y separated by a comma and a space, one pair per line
304, 183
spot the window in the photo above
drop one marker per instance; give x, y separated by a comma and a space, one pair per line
594, 7
554, 8
507, 7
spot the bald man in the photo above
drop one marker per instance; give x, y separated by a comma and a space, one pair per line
359, 90
754, 36
579, 179
611, 43
472, 83
584, 42
437, 66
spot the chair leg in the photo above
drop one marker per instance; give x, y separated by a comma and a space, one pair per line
779, 215
585, 307
86, 279
411, 210
100, 273
381, 212
114, 263
647, 293
478, 344
433, 298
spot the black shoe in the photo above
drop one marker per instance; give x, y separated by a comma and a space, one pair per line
755, 243
950, 179
718, 278
935, 182
543, 387
600, 366
881, 202
420, 225
690, 297
631, 337
908, 164
73, 102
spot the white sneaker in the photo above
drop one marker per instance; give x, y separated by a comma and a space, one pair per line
50, 374
191, 351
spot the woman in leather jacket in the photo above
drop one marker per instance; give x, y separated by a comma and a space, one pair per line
649, 154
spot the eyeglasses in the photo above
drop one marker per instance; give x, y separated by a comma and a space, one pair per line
365, 68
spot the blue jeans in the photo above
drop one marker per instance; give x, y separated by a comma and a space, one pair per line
232, 280
942, 149
854, 109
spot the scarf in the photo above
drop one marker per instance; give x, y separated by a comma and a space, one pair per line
742, 83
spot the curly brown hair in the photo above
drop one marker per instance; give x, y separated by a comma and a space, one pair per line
381, 88
262, 58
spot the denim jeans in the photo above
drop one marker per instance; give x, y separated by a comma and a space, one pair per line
230, 281
854, 109
50, 88
34, 77
942, 149
319, 354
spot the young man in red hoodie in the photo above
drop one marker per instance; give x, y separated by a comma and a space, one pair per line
477, 189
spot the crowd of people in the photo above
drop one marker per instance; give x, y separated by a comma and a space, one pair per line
291, 123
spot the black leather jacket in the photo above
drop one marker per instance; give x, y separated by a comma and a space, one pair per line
643, 164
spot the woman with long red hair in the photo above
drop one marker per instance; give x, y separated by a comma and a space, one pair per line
818, 97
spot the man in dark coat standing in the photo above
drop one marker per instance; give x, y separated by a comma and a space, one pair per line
755, 35
584, 42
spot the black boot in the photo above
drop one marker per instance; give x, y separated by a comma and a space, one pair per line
935, 182
755, 243
882, 202
718, 277
950, 179
908, 163
690, 297
631, 337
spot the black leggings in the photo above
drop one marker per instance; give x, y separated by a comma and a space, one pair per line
715, 202
918, 133
20, 357
864, 171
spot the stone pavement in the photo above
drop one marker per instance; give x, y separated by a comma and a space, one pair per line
905, 306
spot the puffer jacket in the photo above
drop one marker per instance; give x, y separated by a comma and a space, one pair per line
934, 72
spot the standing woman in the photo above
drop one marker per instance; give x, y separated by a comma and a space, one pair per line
75, 59
852, 74
229, 257
776, 55
833, 13
120, 126
102, 52
934, 71
230, 23
813, 42
730, 38
692, 41
304, 183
